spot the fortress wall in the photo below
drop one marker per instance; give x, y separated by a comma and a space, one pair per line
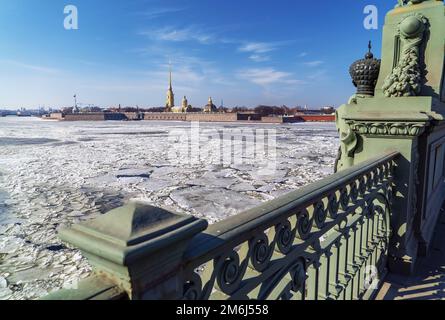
99, 116
54, 116
164, 116
133, 115
85, 117
115, 116
212, 117
272, 119
249, 117
201, 117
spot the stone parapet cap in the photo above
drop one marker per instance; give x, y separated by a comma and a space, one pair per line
388, 117
397, 104
410, 8
133, 232
401, 108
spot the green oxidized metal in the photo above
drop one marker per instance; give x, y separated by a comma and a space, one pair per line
408, 76
365, 73
406, 114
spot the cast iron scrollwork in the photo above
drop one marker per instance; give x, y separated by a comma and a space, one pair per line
314, 251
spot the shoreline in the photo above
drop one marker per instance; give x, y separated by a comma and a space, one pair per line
191, 117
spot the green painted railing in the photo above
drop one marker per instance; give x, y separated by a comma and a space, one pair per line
328, 240
316, 243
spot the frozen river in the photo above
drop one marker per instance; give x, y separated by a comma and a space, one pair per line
53, 174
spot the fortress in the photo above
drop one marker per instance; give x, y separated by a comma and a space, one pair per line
185, 107
185, 112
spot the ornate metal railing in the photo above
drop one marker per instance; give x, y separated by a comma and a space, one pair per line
328, 240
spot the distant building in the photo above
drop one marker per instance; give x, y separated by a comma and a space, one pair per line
185, 107
210, 107
170, 104
328, 110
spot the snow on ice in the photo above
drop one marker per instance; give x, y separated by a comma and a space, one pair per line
54, 174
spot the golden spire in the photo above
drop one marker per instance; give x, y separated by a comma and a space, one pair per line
170, 68
170, 95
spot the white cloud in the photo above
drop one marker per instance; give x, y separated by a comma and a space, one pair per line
258, 47
258, 50
267, 76
37, 68
259, 58
174, 34
318, 75
159, 12
188, 70
303, 54
315, 63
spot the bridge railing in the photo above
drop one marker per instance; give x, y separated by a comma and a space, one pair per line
328, 240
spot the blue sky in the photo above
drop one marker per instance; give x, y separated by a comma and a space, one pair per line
246, 52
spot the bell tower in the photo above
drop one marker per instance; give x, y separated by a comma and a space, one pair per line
170, 95
185, 104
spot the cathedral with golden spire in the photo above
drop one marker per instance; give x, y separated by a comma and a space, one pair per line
170, 104
170, 95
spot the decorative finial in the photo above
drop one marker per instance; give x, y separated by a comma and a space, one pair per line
369, 55
365, 73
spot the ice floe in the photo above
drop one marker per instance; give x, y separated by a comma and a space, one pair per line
54, 174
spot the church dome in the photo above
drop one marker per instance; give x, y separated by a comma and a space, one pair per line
210, 107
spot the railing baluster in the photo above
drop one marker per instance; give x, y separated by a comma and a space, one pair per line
342, 265
333, 270
312, 288
323, 280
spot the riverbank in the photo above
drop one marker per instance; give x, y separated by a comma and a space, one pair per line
190, 117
